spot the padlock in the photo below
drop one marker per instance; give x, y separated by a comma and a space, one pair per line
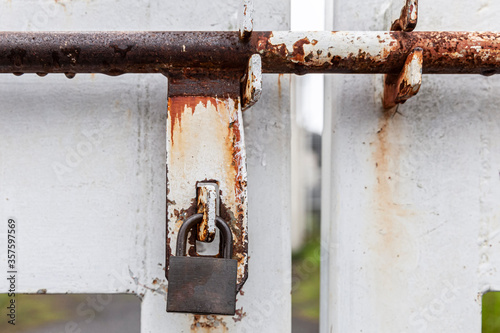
202, 285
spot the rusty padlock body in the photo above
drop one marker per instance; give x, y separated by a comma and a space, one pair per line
202, 285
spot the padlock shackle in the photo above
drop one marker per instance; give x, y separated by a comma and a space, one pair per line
227, 235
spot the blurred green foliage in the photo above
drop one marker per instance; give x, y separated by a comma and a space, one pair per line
39, 310
305, 280
491, 312
36, 310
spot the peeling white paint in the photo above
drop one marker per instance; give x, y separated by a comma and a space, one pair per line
337, 43
253, 84
246, 18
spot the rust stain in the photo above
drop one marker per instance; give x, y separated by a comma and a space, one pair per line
386, 163
202, 209
280, 76
59, 2
239, 315
385, 233
264, 46
178, 105
279, 84
389, 239
235, 160
209, 323
204, 235
298, 49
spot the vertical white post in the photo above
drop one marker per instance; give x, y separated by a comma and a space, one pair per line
411, 214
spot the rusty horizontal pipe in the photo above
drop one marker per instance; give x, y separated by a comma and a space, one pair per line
193, 53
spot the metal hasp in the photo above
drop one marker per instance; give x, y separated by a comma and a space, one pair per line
251, 87
401, 87
206, 148
205, 145
202, 285
246, 19
208, 207
408, 19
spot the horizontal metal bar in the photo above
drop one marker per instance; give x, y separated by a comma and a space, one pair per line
194, 53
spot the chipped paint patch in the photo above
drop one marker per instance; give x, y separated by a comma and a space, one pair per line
210, 323
252, 83
239, 315
320, 48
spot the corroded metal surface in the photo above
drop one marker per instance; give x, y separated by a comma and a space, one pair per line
116, 53
205, 143
399, 88
378, 52
207, 203
409, 17
252, 83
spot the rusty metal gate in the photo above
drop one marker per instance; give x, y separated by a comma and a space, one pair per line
112, 212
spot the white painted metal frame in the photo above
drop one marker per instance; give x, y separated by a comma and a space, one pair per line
410, 202
82, 169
